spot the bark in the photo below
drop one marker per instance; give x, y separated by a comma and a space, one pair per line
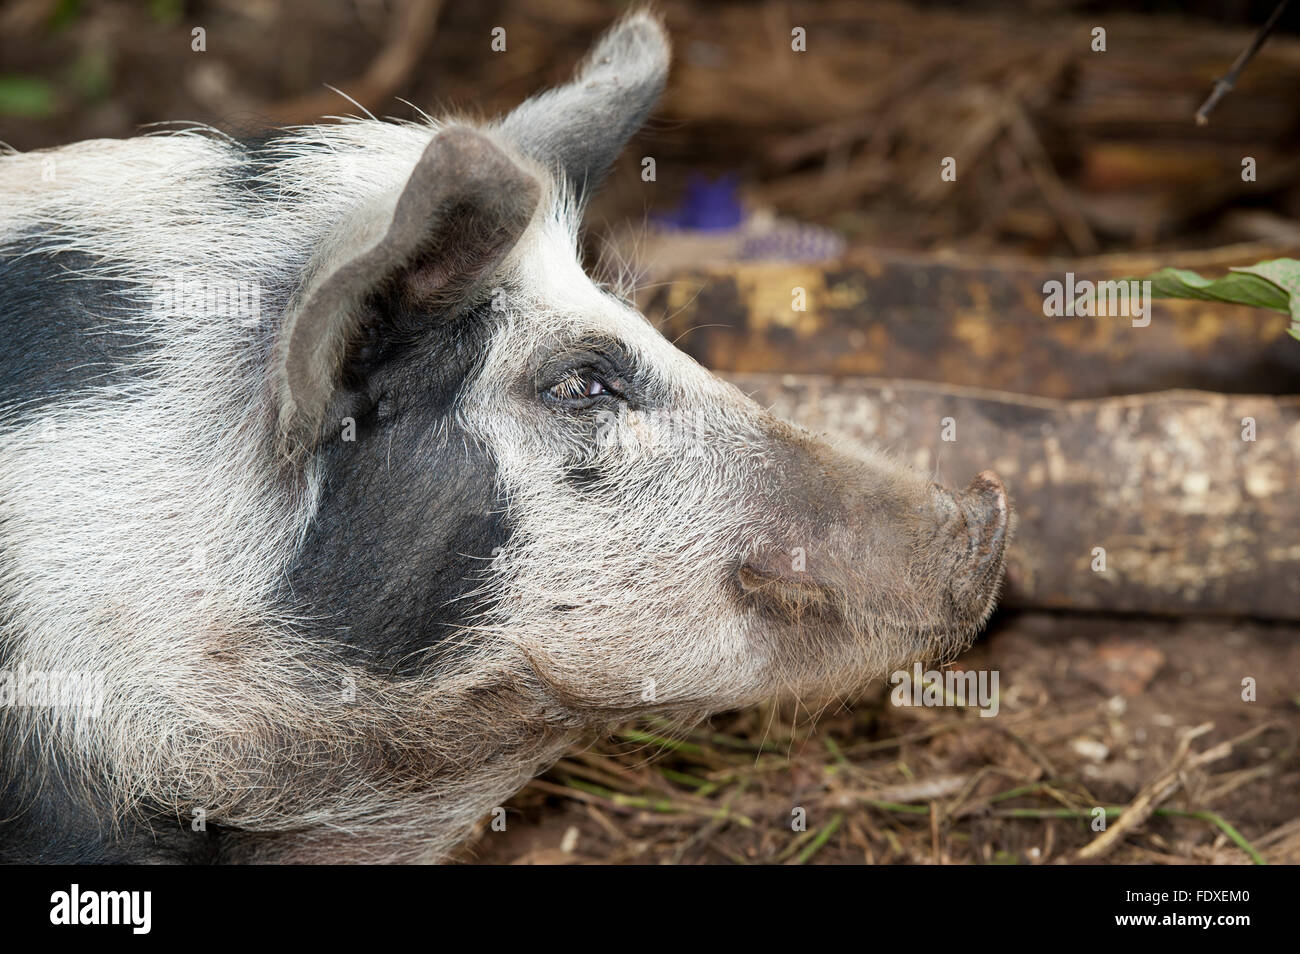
973, 322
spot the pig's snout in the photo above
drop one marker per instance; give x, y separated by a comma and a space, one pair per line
977, 521
883, 545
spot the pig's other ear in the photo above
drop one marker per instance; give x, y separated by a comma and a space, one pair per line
458, 216
579, 129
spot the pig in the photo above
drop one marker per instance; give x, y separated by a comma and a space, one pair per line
346, 501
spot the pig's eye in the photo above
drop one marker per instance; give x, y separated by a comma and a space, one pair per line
581, 388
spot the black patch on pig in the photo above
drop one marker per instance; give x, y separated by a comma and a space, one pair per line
46, 820
59, 330
409, 513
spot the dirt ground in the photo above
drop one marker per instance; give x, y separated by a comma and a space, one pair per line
1091, 712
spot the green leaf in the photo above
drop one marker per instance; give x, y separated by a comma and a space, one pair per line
1274, 285
26, 96
1282, 272
1238, 287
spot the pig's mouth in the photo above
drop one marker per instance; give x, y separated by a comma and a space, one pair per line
936, 610
783, 600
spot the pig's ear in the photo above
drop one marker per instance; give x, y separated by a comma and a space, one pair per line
458, 216
579, 129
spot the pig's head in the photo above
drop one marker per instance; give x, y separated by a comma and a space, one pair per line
551, 475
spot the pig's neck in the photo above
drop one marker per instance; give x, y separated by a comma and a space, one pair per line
403, 775
481, 746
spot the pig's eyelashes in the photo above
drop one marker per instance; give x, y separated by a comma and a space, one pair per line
582, 389
586, 373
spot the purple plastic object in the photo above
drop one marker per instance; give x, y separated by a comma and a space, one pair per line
707, 206
714, 208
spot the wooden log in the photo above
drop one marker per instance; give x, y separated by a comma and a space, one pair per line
974, 322
1192, 517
